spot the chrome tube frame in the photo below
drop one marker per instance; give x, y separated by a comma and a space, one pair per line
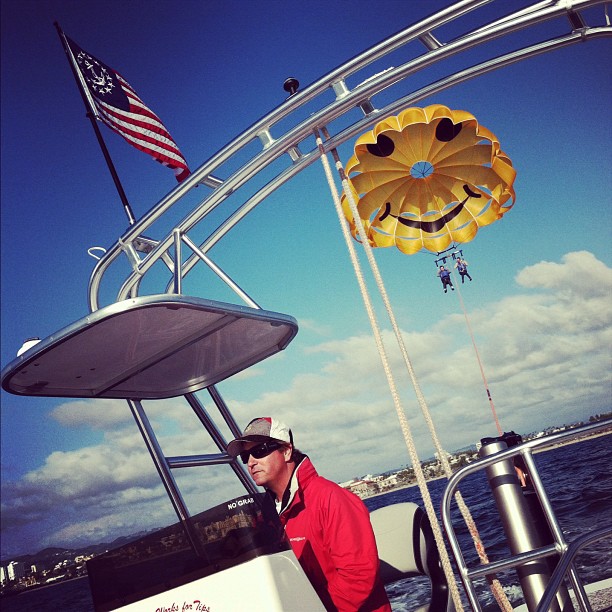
345, 102
559, 547
165, 465
215, 434
165, 473
565, 565
523, 534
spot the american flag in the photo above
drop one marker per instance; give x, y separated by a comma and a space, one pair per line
118, 105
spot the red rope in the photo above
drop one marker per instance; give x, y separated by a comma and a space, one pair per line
484, 378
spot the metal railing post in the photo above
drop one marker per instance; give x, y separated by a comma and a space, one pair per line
165, 474
521, 532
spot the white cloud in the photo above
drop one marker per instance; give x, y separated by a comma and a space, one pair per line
580, 273
545, 355
316, 327
97, 414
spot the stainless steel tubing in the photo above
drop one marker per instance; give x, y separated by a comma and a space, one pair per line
521, 532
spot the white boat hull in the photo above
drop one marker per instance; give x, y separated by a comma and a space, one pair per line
267, 584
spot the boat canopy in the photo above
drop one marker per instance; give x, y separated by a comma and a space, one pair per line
150, 347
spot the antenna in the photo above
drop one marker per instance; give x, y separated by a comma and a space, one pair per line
291, 85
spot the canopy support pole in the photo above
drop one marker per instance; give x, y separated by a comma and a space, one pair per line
165, 474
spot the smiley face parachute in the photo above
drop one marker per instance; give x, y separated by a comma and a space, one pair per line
427, 178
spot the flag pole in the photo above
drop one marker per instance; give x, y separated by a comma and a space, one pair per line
93, 117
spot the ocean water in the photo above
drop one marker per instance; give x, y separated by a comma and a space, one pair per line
578, 480
69, 596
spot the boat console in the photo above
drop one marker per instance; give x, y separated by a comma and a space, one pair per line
246, 559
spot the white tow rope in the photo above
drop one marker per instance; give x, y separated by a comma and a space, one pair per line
421, 481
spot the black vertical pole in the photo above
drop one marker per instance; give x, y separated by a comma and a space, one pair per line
91, 114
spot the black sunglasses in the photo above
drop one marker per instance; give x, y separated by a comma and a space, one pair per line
260, 451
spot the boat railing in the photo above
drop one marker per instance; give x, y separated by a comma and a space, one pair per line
559, 547
351, 110
565, 562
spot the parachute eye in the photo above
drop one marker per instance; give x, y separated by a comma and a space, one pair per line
383, 148
446, 130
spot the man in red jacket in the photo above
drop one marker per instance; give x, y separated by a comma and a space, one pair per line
329, 527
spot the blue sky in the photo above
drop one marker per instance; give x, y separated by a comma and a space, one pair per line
76, 471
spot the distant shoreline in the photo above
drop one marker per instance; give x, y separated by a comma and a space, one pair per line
40, 587
581, 439
543, 450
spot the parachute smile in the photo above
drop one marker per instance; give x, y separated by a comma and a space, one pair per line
431, 227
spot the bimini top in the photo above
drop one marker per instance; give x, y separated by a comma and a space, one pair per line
149, 347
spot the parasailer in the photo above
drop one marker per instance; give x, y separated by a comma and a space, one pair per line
445, 277
462, 268
427, 178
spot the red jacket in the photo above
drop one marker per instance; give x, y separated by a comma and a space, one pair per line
331, 535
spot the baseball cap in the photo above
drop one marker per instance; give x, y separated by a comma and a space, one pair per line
260, 430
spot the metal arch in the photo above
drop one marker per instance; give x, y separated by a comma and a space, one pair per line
346, 100
358, 127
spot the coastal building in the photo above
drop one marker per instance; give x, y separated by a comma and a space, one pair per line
15, 570
388, 482
361, 487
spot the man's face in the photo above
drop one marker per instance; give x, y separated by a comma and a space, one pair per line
267, 471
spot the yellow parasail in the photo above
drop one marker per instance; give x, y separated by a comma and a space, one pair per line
427, 178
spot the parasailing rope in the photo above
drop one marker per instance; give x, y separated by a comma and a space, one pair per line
495, 585
400, 413
484, 378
